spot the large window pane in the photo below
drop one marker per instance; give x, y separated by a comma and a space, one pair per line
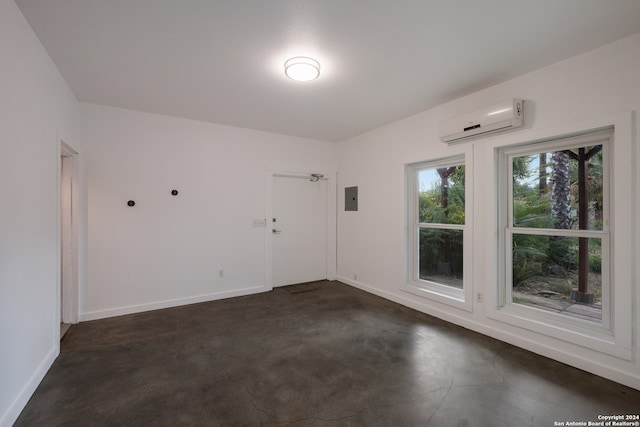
441, 195
546, 274
559, 190
437, 217
440, 258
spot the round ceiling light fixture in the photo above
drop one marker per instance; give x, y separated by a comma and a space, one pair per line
302, 68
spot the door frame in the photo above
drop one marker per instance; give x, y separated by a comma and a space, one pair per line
331, 178
68, 241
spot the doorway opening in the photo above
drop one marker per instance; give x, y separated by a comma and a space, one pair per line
68, 198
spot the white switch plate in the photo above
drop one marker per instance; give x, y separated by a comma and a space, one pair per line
259, 222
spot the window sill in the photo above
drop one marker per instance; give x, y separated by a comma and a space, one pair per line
588, 334
439, 293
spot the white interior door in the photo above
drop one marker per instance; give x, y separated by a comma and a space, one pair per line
299, 230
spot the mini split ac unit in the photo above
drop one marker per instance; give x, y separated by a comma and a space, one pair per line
505, 115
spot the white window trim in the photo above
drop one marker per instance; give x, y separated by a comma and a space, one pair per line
616, 337
555, 145
459, 298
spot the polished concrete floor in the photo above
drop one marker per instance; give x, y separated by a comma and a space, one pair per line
316, 354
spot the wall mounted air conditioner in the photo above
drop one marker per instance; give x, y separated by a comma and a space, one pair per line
505, 115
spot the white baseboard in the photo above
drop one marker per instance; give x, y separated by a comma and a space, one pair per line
568, 358
29, 388
139, 308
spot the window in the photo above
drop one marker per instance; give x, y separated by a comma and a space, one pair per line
555, 229
437, 227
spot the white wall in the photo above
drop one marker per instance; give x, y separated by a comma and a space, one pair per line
35, 107
168, 250
569, 94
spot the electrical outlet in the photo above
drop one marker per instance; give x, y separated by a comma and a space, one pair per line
259, 222
220, 273
479, 296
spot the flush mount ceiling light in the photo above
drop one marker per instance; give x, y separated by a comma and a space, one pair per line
302, 68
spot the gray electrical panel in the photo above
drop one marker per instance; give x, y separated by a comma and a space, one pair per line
351, 199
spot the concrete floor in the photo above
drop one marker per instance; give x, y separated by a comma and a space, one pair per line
316, 354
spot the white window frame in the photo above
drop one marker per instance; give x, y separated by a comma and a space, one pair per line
604, 138
459, 298
614, 335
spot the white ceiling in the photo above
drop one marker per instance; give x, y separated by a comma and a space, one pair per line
222, 60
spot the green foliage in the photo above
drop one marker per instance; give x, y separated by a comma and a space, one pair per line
529, 252
563, 252
431, 208
522, 272
533, 206
532, 212
441, 252
521, 167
